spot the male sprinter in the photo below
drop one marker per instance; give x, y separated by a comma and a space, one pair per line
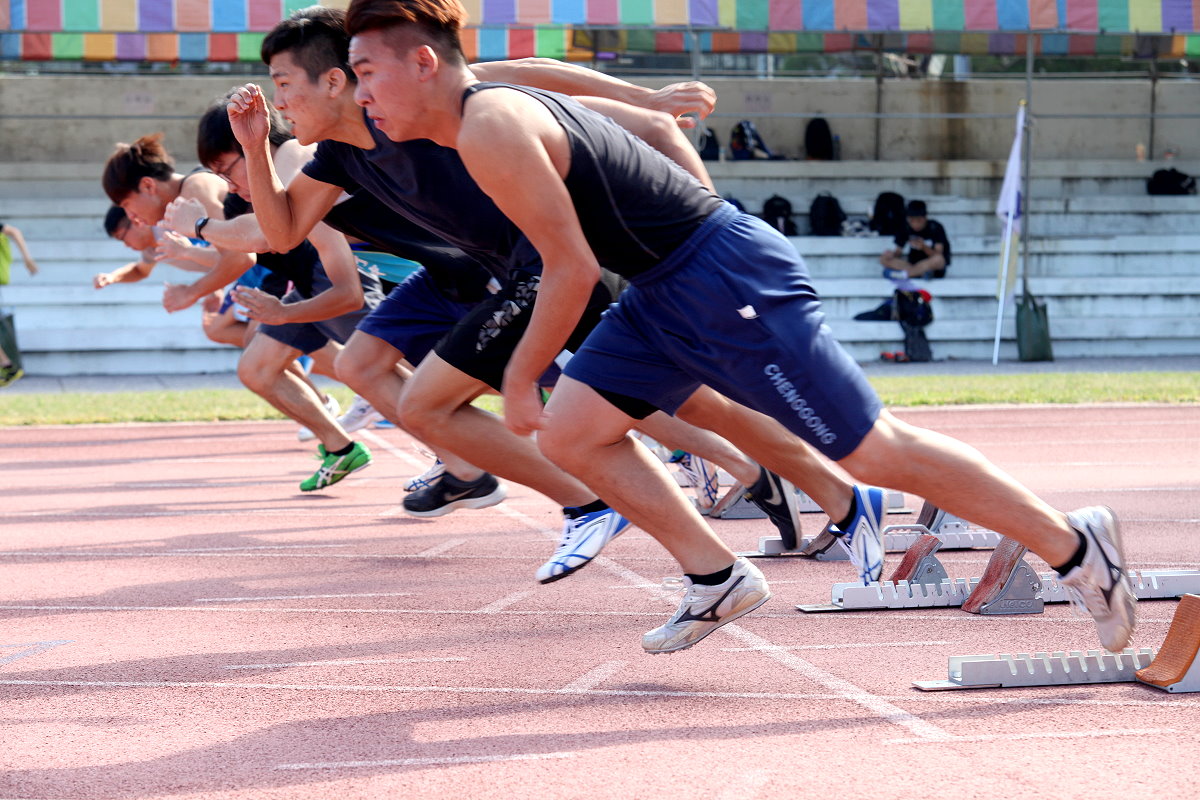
717, 298
433, 189
406, 324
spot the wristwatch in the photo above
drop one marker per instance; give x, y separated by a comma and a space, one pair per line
200, 223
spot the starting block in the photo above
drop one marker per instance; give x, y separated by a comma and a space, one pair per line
820, 546
954, 533
1010, 586
1173, 668
734, 505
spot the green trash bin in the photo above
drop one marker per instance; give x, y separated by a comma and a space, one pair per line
1033, 330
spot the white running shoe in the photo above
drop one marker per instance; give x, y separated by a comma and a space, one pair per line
706, 608
864, 541
1099, 585
426, 478
701, 476
360, 415
332, 406
583, 538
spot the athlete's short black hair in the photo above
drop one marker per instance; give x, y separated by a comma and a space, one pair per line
434, 22
214, 133
316, 39
114, 220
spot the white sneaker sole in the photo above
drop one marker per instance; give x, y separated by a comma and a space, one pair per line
725, 621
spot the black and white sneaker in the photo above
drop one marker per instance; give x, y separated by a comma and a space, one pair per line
448, 493
1099, 584
706, 608
777, 498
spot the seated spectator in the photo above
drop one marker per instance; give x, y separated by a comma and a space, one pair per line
922, 250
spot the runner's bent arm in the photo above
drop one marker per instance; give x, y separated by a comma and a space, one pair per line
344, 296
517, 152
557, 76
286, 214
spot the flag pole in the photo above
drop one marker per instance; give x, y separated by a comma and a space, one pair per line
1010, 209
1002, 288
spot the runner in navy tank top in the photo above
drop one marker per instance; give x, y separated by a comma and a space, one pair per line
428, 184
717, 297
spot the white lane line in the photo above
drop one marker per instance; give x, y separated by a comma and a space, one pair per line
430, 660
844, 689
1049, 735
659, 585
246, 547
298, 597
437, 550
974, 697
505, 602
593, 678
833, 646
1041, 619
427, 762
417, 611
29, 649
311, 513
747, 785
161, 554
383, 444
847, 690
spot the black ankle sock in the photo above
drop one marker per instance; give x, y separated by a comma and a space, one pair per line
579, 511
345, 451
720, 576
1075, 560
844, 525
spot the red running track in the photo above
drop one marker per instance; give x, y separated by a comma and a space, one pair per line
180, 621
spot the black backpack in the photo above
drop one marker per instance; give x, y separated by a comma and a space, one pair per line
887, 218
1170, 181
777, 212
744, 139
818, 140
825, 215
709, 147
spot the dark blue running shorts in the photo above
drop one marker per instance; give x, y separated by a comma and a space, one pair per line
414, 316
733, 308
308, 337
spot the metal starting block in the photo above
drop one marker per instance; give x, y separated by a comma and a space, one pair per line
954, 532
1174, 668
925, 584
734, 505
1041, 669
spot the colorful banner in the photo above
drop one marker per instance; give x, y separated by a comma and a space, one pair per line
228, 30
989, 16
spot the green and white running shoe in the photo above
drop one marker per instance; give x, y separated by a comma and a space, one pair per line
334, 467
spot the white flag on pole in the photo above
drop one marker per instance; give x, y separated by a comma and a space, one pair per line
1009, 210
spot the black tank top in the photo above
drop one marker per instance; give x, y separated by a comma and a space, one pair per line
635, 205
296, 265
456, 274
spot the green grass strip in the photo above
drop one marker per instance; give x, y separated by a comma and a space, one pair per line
211, 405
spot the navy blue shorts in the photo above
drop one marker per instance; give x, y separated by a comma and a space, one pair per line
414, 316
308, 337
734, 309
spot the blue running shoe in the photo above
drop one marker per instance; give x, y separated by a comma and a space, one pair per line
583, 538
863, 542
